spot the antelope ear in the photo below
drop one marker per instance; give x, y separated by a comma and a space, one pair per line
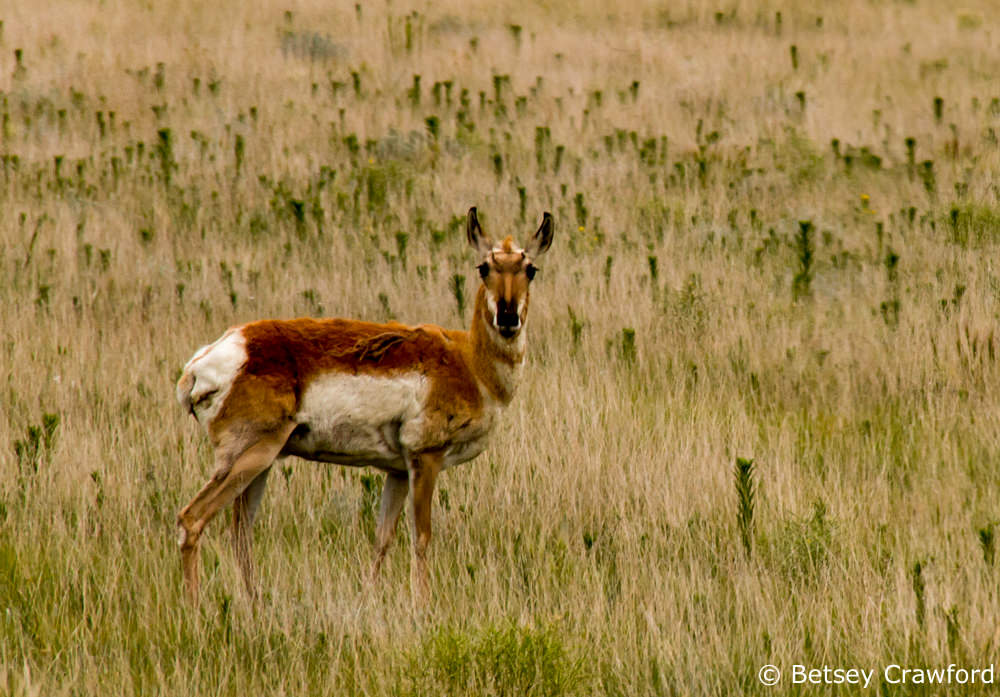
480, 242
540, 243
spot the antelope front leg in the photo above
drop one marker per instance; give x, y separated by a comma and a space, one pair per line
394, 493
424, 470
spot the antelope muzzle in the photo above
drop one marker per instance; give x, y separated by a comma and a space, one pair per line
508, 320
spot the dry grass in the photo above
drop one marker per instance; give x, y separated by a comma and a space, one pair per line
595, 547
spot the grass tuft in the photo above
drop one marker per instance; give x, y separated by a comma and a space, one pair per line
497, 659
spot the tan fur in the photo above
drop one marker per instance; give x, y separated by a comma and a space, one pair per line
444, 389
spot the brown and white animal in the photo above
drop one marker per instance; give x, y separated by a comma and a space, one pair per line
410, 401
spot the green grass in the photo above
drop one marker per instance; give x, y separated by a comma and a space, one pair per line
758, 258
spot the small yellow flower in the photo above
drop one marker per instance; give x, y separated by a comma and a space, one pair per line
865, 198
580, 229
371, 160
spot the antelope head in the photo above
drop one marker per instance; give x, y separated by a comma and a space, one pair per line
506, 271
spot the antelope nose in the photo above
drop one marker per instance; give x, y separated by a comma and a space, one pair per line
508, 321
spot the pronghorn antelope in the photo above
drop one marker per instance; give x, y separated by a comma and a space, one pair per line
410, 401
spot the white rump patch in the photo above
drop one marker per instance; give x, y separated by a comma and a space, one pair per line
214, 367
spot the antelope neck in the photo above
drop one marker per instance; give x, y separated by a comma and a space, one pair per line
496, 359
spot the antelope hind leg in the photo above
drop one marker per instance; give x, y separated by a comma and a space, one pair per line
244, 511
226, 484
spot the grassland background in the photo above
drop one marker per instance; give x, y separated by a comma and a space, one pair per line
170, 169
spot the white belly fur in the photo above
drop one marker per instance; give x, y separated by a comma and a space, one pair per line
360, 419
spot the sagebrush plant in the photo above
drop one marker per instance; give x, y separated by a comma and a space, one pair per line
169, 170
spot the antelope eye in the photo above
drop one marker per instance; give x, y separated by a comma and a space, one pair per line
530, 271
484, 270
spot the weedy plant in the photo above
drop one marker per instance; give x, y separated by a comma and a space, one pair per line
804, 248
575, 328
746, 495
919, 585
628, 350
36, 444
458, 291
987, 540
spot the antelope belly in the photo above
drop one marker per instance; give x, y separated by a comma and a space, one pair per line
356, 419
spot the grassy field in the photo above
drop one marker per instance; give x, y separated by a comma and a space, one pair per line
775, 237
